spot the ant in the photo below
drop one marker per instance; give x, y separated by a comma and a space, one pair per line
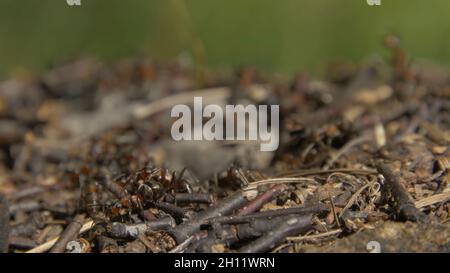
135, 192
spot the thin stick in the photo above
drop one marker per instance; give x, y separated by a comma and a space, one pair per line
316, 236
175, 211
193, 198
437, 198
261, 200
333, 210
347, 147
154, 107
121, 230
236, 219
405, 207
48, 245
318, 172
286, 180
292, 226
352, 199
242, 175
69, 234
181, 247
223, 207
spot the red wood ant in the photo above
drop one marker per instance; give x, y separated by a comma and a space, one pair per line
136, 191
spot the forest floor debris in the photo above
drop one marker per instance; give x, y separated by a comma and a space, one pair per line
87, 162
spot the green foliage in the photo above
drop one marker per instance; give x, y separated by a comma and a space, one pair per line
284, 35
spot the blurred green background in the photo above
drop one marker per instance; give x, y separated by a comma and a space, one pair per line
275, 35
